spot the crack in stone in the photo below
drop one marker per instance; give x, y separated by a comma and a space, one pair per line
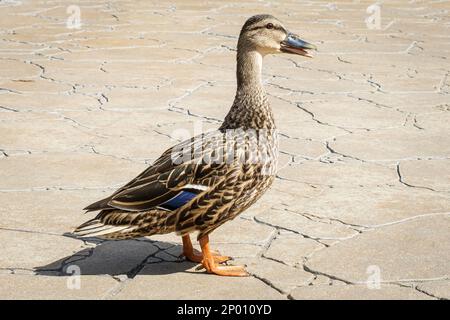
415, 287
269, 241
61, 188
10, 91
419, 216
95, 151
31, 231
342, 60
332, 151
317, 218
269, 283
314, 118
401, 180
317, 273
9, 109
304, 235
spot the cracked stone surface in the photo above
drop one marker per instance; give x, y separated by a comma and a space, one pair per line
363, 189
358, 292
166, 280
408, 252
437, 289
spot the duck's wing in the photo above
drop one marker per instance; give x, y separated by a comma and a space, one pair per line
176, 177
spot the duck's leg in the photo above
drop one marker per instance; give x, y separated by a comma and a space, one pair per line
194, 255
211, 265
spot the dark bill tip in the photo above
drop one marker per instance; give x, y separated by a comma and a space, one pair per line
293, 44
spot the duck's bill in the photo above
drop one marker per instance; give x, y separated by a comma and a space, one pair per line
293, 44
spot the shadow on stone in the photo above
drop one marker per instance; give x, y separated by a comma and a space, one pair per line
124, 257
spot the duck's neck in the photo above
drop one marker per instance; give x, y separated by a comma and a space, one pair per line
250, 109
248, 69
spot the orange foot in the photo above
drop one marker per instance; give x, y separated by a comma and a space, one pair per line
210, 264
196, 256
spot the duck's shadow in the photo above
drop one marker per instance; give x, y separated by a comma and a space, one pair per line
125, 257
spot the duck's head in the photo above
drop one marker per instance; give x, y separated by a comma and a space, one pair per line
267, 35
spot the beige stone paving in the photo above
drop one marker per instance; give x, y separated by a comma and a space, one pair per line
363, 192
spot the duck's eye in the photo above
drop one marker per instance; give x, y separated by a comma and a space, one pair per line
269, 26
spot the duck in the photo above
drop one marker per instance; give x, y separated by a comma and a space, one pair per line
201, 183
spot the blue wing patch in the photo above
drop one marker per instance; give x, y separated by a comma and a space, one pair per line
179, 200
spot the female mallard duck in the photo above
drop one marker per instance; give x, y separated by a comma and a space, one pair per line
209, 179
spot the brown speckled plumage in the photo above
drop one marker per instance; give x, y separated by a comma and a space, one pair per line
222, 172
234, 183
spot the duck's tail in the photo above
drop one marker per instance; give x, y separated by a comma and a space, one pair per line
119, 225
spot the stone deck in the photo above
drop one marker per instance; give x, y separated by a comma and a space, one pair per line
361, 204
